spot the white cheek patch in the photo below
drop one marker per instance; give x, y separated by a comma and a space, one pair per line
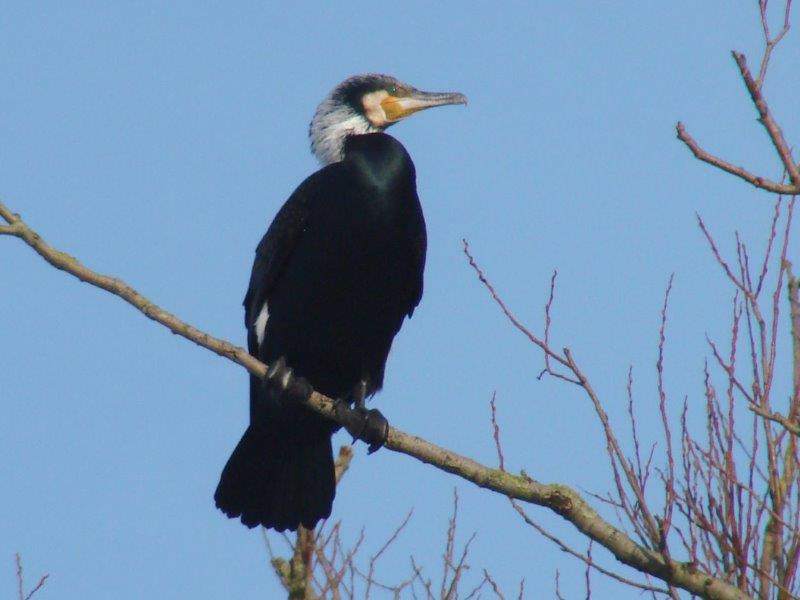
261, 323
373, 109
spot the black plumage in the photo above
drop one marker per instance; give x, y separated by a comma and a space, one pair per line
338, 270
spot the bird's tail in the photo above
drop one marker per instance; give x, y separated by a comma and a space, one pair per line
280, 475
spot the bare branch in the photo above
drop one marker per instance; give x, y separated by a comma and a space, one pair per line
771, 42
558, 498
754, 88
542, 344
558, 588
495, 587
375, 557
769, 123
585, 558
496, 433
21, 582
756, 180
791, 427
342, 462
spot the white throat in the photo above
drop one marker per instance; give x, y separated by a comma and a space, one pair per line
331, 125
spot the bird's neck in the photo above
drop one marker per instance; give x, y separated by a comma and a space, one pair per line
329, 130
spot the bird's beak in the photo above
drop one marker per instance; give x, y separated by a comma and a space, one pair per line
399, 107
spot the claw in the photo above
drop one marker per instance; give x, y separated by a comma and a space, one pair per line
277, 366
369, 426
376, 431
347, 417
284, 383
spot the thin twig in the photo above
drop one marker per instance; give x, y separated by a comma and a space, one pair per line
769, 123
375, 557
770, 41
791, 427
21, 582
587, 560
758, 181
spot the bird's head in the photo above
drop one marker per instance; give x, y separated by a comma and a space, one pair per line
367, 104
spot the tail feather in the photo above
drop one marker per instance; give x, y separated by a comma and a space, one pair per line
324, 476
279, 477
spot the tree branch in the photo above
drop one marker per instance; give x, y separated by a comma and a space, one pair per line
765, 118
756, 180
771, 42
559, 498
21, 581
793, 428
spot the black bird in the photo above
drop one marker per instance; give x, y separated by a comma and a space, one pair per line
338, 270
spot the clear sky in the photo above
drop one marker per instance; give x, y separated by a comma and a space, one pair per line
155, 141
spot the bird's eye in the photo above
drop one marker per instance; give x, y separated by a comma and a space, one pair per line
393, 90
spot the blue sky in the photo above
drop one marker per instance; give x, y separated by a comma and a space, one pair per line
156, 141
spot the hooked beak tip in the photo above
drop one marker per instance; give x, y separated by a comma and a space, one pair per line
441, 99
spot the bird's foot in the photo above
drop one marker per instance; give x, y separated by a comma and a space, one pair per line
367, 425
284, 384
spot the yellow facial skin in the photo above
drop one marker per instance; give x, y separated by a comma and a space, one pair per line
383, 108
396, 108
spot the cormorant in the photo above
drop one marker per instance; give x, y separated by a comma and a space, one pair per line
338, 270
